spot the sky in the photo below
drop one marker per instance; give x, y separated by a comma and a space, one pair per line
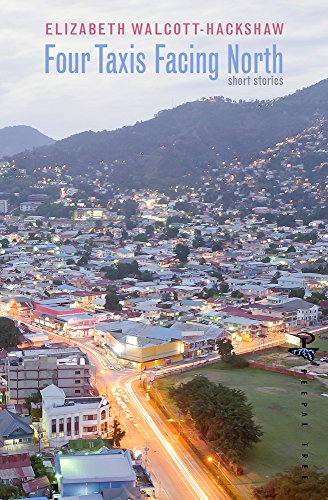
60, 105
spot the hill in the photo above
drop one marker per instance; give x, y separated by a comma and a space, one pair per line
178, 145
19, 138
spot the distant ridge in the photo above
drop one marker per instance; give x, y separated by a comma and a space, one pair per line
19, 138
179, 144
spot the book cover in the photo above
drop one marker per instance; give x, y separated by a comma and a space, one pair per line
163, 249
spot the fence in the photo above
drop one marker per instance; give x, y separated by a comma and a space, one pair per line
254, 364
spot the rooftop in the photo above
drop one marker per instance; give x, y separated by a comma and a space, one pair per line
114, 466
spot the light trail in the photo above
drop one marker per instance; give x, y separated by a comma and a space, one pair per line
190, 481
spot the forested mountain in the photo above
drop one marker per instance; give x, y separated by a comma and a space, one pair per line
179, 144
19, 138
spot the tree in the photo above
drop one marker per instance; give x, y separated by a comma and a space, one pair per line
316, 297
121, 270
9, 333
291, 484
4, 243
236, 294
83, 261
291, 249
7, 491
145, 276
171, 232
150, 229
198, 240
118, 434
141, 237
275, 277
297, 292
112, 301
182, 252
38, 467
35, 397
224, 347
222, 415
224, 287
217, 246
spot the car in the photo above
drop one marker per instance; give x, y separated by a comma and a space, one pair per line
315, 363
111, 367
324, 360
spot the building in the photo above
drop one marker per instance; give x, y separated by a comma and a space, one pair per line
29, 206
60, 317
87, 474
14, 429
14, 469
141, 344
294, 312
37, 486
245, 328
31, 370
198, 339
89, 213
3, 206
64, 418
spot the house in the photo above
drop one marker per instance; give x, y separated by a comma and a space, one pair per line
15, 429
293, 311
15, 468
37, 486
66, 418
87, 474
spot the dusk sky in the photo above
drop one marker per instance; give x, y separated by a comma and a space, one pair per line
61, 105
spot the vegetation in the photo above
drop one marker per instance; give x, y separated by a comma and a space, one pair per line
121, 270
9, 333
224, 347
224, 287
316, 297
118, 434
182, 252
33, 398
194, 134
112, 300
297, 292
222, 415
7, 491
276, 401
55, 210
292, 484
38, 467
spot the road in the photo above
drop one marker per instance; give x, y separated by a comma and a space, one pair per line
174, 471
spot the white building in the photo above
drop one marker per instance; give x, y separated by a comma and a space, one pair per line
64, 419
3, 206
29, 206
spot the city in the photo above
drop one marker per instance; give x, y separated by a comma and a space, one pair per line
106, 311
154, 321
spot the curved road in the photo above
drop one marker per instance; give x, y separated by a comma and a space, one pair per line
175, 472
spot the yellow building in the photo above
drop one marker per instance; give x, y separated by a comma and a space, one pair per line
144, 346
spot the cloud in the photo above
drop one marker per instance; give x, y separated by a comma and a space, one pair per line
60, 105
